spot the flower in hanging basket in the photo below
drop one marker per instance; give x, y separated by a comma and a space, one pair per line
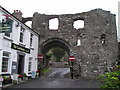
37, 71
20, 76
24, 75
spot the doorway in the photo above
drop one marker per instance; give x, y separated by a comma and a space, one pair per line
20, 64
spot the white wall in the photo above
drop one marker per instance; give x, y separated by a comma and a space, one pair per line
33, 51
118, 21
5, 45
0, 60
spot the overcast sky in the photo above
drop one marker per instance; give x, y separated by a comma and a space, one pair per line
28, 7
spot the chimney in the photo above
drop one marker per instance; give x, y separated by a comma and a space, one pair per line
17, 14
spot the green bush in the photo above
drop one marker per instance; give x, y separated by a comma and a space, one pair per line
45, 69
111, 79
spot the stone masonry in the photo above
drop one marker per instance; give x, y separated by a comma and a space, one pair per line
99, 47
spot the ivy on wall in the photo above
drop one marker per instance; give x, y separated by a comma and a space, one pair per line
111, 79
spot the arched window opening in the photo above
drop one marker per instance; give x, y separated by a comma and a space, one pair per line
78, 42
102, 39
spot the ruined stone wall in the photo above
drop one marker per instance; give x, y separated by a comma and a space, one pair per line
99, 47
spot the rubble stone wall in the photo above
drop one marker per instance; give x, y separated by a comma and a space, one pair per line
99, 47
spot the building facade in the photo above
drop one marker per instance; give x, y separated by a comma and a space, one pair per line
18, 45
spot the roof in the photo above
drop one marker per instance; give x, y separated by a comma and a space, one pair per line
18, 20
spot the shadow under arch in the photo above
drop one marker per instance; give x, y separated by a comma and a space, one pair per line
52, 43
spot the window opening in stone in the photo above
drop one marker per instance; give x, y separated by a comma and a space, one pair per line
29, 23
78, 42
53, 24
78, 24
102, 39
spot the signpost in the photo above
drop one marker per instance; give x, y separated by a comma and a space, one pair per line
40, 57
72, 59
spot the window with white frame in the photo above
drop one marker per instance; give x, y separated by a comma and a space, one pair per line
30, 64
22, 34
31, 39
5, 61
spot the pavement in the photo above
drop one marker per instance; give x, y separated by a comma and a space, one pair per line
11, 84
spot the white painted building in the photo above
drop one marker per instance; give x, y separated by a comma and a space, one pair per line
18, 49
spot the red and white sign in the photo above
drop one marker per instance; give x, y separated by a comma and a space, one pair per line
40, 57
7, 16
71, 58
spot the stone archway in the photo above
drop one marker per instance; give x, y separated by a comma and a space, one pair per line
53, 43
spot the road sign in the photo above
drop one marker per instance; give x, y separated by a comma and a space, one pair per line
71, 58
40, 57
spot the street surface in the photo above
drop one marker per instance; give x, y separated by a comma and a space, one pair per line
56, 79
58, 72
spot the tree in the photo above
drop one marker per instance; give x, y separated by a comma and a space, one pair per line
58, 53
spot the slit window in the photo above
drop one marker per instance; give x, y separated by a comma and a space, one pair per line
102, 39
78, 42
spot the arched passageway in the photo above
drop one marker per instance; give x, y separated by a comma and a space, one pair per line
55, 45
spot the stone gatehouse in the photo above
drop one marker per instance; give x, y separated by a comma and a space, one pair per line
98, 46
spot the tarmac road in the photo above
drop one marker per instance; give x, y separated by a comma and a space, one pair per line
58, 81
